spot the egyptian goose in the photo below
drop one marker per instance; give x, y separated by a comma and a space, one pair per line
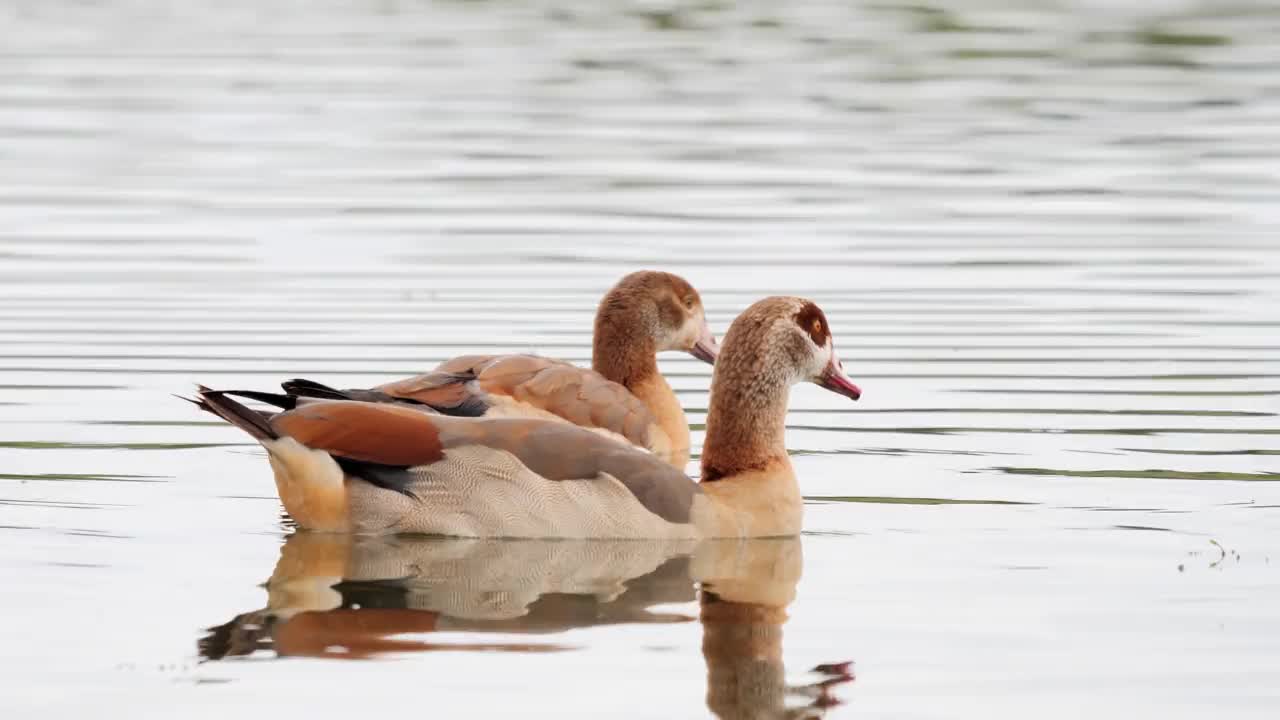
623, 395
351, 466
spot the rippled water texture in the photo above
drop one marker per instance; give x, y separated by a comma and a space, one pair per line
1045, 235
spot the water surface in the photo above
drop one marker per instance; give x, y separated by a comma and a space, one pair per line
1045, 237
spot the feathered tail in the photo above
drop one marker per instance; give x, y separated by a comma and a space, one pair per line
251, 421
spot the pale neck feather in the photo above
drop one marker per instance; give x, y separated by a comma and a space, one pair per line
656, 393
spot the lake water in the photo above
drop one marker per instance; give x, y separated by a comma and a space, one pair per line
1045, 234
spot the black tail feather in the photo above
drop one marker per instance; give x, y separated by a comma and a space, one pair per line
301, 387
472, 405
280, 400
314, 390
258, 424
247, 419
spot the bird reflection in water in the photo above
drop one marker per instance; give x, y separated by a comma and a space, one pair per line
338, 596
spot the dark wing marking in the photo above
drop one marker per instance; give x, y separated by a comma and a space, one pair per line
284, 402
302, 387
450, 393
396, 478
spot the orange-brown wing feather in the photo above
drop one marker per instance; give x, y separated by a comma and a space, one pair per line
583, 397
450, 384
580, 396
379, 433
506, 374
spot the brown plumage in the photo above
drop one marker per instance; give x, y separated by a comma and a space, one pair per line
347, 465
623, 394
635, 319
366, 432
749, 390
390, 447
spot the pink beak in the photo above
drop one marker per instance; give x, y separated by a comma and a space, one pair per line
834, 379
706, 348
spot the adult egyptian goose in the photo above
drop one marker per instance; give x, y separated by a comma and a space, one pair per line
351, 466
623, 395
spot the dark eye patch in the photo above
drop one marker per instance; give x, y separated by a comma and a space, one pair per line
811, 320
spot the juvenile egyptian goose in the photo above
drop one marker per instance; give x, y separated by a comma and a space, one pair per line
350, 466
623, 395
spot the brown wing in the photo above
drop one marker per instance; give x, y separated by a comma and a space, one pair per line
375, 433
449, 392
580, 396
399, 436
466, 379
451, 385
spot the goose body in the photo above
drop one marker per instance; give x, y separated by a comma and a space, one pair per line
623, 396
353, 466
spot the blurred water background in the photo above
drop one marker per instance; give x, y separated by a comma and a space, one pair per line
1044, 233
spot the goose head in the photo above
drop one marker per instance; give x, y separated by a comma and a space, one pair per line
774, 344
783, 341
658, 311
